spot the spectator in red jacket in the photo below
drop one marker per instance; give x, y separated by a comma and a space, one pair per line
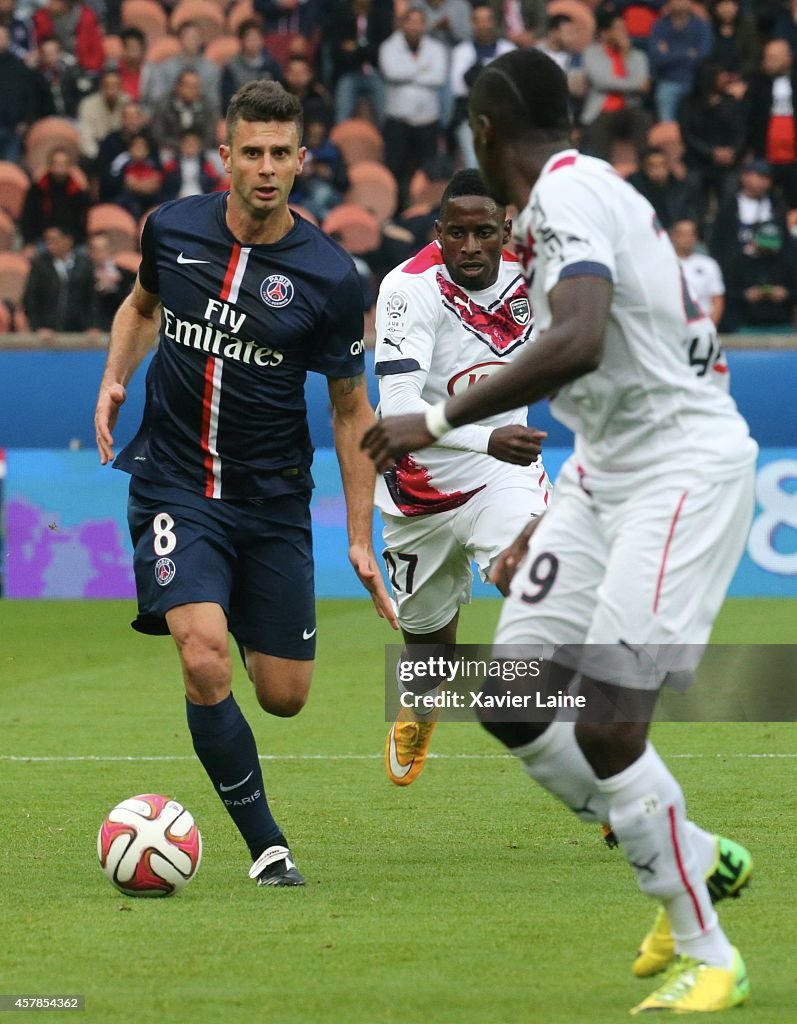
76, 26
131, 62
56, 199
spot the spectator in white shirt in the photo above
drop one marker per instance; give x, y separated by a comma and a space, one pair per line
467, 60
702, 273
414, 67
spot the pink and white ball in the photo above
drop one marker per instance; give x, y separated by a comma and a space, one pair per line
149, 846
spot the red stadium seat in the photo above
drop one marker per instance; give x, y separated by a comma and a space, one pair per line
373, 187
357, 229
147, 16
582, 17
128, 261
14, 270
7, 232
205, 14
424, 191
14, 185
222, 50
46, 135
119, 225
358, 139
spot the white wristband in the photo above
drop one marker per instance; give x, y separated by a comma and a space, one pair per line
436, 422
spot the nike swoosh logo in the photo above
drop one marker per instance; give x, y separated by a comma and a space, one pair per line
310, 635
226, 789
396, 767
186, 259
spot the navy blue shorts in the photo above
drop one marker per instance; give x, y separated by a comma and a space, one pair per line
252, 557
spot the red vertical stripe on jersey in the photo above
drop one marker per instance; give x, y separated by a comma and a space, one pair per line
210, 426
232, 266
679, 862
666, 553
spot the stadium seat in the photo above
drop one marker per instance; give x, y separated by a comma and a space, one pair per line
424, 191
111, 48
373, 187
119, 225
582, 17
304, 213
147, 16
666, 135
162, 49
128, 261
14, 270
238, 14
7, 232
222, 50
14, 185
358, 139
48, 134
77, 174
206, 15
356, 229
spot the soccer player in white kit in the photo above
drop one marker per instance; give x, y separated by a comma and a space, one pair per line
651, 513
447, 318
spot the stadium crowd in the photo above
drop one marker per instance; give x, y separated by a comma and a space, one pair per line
111, 107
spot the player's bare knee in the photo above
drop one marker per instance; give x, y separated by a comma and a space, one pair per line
206, 669
285, 704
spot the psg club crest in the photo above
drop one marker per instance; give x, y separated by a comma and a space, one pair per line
276, 291
165, 570
520, 310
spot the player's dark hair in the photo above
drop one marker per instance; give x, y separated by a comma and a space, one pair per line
263, 100
465, 183
524, 94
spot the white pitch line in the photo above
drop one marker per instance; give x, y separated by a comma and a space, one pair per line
345, 757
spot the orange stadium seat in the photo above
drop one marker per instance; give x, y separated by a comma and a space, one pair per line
46, 135
239, 13
582, 17
162, 49
128, 261
147, 16
423, 190
355, 228
207, 16
14, 270
7, 232
358, 139
14, 185
304, 213
373, 187
222, 50
112, 48
119, 225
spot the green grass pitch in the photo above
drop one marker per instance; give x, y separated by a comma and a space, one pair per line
469, 898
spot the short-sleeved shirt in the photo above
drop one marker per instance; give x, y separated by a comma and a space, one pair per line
703, 278
650, 405
426, 323
225, 412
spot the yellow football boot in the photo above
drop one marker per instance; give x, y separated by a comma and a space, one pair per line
406, 749
691, 986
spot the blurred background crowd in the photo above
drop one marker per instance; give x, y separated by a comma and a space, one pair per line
110, 107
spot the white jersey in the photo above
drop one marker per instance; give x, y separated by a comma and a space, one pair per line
433, 340
703, 278
650, 405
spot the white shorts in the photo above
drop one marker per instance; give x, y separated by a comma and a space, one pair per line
649, 569
428, 557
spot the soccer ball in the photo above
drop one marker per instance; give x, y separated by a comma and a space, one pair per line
149, 846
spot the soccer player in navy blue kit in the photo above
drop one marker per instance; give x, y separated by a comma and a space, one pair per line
246, 298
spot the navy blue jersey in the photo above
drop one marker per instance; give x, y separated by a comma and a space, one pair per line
225, 411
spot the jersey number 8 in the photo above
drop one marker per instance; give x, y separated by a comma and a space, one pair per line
165, 540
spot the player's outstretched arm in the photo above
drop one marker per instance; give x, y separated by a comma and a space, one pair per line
569, 349
352, 415
133, 333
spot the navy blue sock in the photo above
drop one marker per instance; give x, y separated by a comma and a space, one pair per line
226, 747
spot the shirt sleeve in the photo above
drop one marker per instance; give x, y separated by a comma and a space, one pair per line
716, 283
406, 320
573, 231
400, 394
148, 268
339, 351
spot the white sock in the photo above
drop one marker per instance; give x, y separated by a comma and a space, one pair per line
648, 814
555, 761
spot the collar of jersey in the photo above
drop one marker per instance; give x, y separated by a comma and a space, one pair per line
561, 155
